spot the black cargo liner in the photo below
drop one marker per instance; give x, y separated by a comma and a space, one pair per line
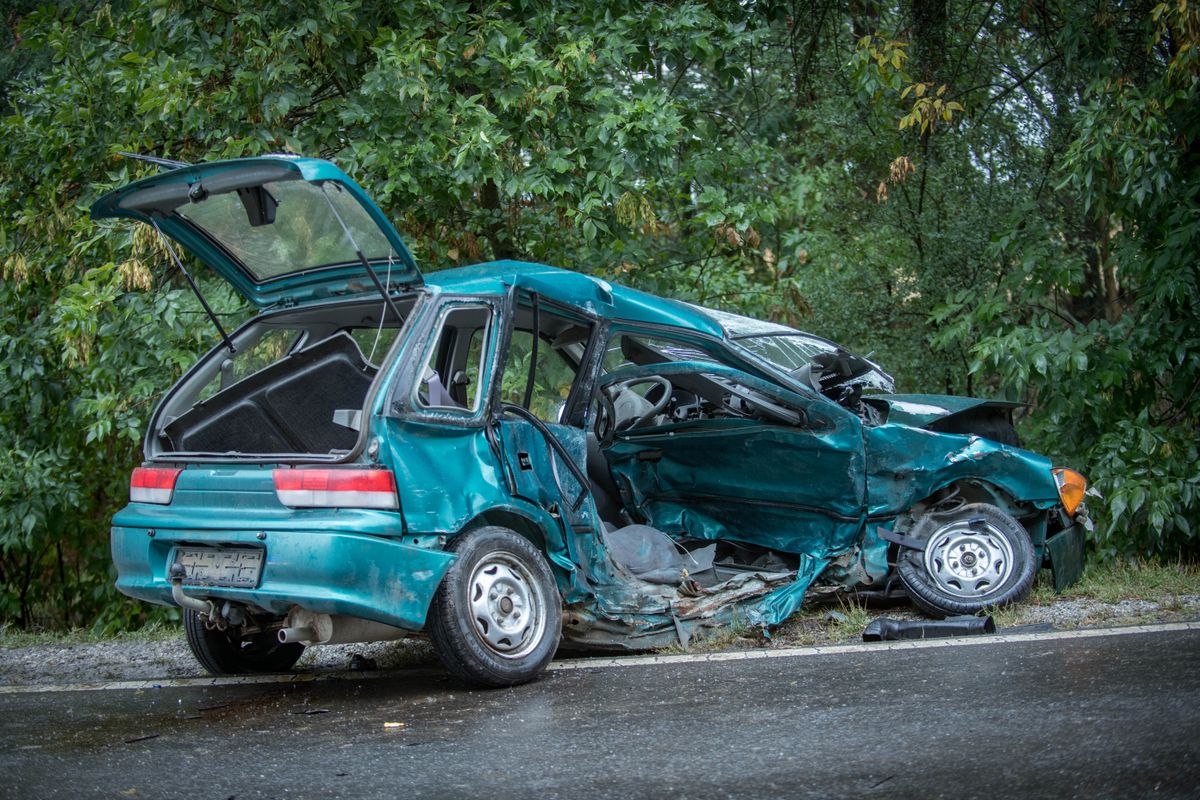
286, 407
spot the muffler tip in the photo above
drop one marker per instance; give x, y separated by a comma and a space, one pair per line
292, 635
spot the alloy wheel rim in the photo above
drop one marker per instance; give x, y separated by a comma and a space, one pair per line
507, 607
969, 562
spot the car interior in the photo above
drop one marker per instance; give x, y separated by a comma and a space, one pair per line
296, 383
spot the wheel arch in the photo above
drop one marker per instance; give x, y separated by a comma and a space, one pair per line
513, 520
908, 466
979, 490
544, 533
1034, 516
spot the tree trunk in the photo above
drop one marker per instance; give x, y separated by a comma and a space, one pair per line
927, 21
496, 231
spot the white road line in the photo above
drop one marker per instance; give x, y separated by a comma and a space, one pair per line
873, 647
620, 661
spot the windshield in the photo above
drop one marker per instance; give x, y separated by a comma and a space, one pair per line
299, 232
794, 351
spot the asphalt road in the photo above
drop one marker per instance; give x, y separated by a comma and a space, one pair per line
1111, 716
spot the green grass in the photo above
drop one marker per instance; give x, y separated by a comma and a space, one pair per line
1108, 582
1113, 581
829, 621
154, 632
851, 617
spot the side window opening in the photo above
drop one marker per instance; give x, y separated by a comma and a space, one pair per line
451, 374
374, 342
271, 346
631, 349
636, 350
561, 342
652, 400
465, 387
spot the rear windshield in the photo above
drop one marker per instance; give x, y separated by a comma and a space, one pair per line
305, 233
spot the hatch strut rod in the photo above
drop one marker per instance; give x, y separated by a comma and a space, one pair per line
387, 298
196, 289
164, 163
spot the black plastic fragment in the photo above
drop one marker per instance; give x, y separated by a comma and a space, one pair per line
888, 535
885, 629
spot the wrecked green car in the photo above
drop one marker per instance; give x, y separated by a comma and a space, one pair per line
509, 456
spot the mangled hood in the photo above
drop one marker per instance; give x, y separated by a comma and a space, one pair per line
922, 410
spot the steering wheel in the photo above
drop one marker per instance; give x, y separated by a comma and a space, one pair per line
625, 409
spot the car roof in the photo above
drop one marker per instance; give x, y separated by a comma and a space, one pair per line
600, 297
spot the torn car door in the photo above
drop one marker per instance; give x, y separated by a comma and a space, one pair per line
543, 455
797, 488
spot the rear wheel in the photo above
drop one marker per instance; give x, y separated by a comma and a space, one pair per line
975, 557
229, 652
497, 616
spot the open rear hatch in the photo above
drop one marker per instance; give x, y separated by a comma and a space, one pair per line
278, 228
285, 232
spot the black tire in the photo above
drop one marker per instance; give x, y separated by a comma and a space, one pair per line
497, 617
227, 652
977, 557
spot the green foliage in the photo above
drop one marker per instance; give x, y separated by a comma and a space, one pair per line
994, 199
1094, 317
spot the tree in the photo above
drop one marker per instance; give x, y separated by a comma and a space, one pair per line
993, 198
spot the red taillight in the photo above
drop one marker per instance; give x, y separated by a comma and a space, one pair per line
336, 488
153, 484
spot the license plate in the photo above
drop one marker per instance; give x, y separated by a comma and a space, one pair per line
212, 566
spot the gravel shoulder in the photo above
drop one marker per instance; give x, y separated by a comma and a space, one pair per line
163, 653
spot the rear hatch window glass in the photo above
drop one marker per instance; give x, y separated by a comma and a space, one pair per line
304, 234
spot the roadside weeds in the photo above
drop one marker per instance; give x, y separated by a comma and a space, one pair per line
1109, 595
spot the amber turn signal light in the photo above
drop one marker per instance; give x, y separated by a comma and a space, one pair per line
1071, 488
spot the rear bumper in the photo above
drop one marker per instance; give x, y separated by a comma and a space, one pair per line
357, 575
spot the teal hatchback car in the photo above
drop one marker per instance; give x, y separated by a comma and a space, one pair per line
509, 456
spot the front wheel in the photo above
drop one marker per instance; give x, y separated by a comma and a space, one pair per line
497, 617
975, 557
230, 652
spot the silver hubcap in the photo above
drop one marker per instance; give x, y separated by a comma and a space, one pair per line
966, 562
507, 607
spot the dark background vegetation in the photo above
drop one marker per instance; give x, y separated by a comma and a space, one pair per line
997, 199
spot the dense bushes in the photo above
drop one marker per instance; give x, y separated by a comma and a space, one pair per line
996, 200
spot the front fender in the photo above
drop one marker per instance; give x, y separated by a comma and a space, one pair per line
906, 465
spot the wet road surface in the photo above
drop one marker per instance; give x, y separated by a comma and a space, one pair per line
1112, 716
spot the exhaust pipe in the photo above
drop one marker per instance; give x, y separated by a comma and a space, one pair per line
301, 635
309, 628
176, 575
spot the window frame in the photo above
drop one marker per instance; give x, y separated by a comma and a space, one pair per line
576, 403
403, 402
